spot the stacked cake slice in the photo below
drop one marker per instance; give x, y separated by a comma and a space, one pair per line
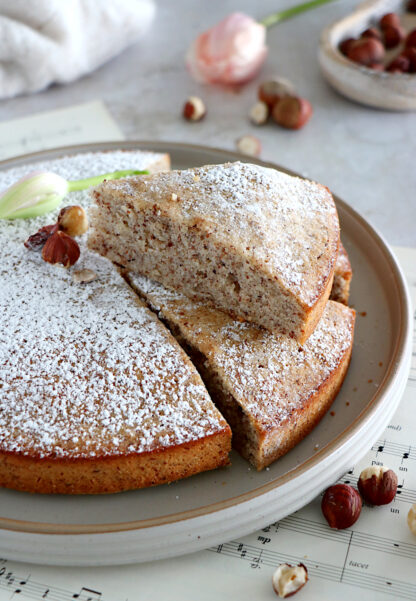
242, 261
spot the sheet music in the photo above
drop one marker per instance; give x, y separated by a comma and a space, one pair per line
90, 122
375, 559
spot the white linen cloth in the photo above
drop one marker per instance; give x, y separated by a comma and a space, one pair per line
56, 41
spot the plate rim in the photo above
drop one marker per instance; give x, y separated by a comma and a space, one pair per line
398, 355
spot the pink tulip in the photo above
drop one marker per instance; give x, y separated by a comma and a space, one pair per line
231, 52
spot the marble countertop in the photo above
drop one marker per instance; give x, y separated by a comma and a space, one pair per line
366, 156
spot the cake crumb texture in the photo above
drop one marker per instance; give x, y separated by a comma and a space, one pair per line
251, 241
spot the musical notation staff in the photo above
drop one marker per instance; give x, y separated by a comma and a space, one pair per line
31, 589
396, 449
316, 569
360, 539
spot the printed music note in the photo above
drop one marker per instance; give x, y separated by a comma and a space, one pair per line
87, 594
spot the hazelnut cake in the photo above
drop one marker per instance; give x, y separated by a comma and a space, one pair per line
271, 391
96, 394
254, 242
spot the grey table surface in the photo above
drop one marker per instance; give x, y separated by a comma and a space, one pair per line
366, 156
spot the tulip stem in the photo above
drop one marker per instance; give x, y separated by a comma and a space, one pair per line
82, 184
291, 12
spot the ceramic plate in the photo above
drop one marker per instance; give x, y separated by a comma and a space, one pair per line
216, 506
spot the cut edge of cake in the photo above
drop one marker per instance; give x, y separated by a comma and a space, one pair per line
254, 242
261, 441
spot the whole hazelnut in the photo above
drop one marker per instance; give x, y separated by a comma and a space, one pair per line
410, 53
292, 112
366, 51
411, 39
194, 109
73, 220
390, 19
378, 485
271, 91
341, 506
288, 580
371, 32
411, 519
401, 64
392, 36
345, 45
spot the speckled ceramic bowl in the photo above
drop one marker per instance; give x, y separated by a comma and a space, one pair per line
394, 91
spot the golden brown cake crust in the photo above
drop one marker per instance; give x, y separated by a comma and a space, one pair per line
113, 474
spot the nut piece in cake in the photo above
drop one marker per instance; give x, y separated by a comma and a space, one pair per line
254, 242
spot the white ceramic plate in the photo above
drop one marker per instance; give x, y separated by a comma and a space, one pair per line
216, 506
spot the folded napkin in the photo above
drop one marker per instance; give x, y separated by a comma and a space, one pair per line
57, 41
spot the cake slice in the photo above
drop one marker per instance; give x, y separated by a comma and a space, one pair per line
342, 277
271, 391
254, 242
96, 394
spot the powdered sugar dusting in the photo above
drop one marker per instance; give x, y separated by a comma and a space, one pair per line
268, 374
284, 225
85, 369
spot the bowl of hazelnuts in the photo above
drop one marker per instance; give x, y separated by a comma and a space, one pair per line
370, 55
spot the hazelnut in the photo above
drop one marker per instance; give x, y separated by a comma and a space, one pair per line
366, 51
259, 113
273, 90
377, 485
288, 580
73, 220
410, 53
84, 276
401, 64
292, 112
376, 66
392, 36
249, 145
411, 519
36, 241
411, 39
341, 506
345, 45
411, 6
371, 32
390, 19
194, 109
61, 248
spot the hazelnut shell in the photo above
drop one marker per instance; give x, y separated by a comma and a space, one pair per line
341, 506
379, 491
